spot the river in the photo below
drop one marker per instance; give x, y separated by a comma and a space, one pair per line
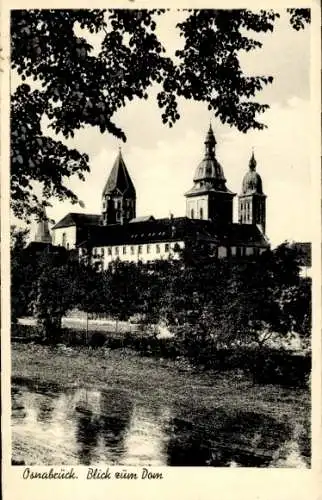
112, 427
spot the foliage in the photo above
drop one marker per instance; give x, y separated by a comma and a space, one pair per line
89, 288
272, 295
81, 86
299, 18
21, 271
223, 303
215, 305
56, 288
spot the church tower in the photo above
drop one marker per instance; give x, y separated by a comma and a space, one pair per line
119, 196
43, 233
252, 200
209, 198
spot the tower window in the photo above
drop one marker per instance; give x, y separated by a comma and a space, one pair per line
192, 213
132, 250
148, 249
124, 250
157, 248
201, 213
116, 250
140, 249
166, 247
109, 251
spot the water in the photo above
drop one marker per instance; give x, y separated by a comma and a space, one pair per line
90, 427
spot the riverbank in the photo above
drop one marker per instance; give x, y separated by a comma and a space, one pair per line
159, 381
81, 366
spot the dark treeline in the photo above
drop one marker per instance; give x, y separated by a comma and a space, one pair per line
211, 303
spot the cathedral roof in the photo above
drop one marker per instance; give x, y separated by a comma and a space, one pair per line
252, 181
142, 218
119, 179
78, 219
174, 229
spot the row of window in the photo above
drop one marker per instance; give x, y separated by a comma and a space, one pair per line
221, 251
126, 215
192, 213
118, 204
246, 213
162, 233
132, 249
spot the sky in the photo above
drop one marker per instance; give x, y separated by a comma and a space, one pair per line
162, 161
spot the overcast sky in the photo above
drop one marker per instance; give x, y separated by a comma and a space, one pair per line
162, 161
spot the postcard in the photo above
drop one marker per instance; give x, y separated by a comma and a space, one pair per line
161, 261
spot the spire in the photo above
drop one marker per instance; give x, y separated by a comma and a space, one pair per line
43, 233
118, 197
119, 178
210, 143
252, 162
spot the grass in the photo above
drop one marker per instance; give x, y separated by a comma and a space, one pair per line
159, 380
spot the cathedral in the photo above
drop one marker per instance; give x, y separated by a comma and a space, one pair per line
117, 232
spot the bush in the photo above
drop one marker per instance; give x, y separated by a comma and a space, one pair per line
264, 366
98, 339
272, 366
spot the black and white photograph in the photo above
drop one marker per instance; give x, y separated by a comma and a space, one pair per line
161, 238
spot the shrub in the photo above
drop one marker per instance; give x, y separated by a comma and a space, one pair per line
97, 339
272, 366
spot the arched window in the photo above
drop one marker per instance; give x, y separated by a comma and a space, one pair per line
64, 240
201, 213
192, 213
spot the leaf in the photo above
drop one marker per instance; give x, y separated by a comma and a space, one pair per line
79, 87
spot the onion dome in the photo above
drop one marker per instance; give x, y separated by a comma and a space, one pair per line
209, 170
119, 180
252, 182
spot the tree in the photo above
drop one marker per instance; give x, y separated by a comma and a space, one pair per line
90, 291
79, 87
21, 273
56, 292
271, 297
129, 288
220, 303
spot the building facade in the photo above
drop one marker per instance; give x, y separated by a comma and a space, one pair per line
117, 234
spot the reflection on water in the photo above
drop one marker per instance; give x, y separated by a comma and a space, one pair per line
89, 427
